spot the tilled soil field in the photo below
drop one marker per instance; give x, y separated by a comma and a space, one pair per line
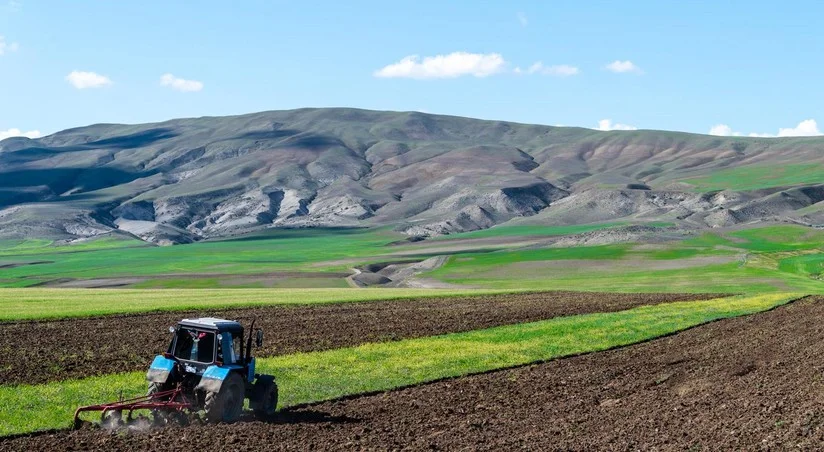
747, 383
38, 352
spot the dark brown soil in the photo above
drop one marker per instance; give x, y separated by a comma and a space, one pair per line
37, 352
749, 383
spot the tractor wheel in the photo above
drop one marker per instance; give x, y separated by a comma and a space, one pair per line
154, 388
265, 397
159, 416
226, 404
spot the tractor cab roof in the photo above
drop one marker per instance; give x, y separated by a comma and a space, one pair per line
211, 323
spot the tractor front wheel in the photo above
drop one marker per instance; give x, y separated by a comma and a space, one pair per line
154, 388
225, 405
159, 416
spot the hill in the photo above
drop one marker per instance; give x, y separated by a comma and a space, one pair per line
187, 179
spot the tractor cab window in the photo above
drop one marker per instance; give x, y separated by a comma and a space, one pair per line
229, 348
193, 345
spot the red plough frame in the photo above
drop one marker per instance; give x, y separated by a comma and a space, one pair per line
171, 400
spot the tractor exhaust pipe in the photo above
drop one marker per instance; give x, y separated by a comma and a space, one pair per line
248, 356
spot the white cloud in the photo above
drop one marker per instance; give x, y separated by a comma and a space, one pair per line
523, 19
83, 80
806, 128
561, 70
180, 84
607, 125
622, 67
723, 130
7, 47
454, 65
19, 133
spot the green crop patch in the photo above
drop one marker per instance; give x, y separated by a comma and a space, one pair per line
780, 238
35, 247
755, 177
752, 260
276, 251
308, 377
811, 265
35, 303
471, 263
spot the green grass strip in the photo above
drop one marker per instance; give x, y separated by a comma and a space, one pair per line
38, 304
755, 177
308, 377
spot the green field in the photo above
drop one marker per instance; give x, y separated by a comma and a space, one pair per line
756, 259
755, 177
307, 377
276, 251
30, 304
34, 247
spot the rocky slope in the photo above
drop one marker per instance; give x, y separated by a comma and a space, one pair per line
187, 179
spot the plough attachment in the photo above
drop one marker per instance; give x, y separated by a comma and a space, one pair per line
167, 402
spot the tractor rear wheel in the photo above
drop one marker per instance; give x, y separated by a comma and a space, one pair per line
225, 405
265, 397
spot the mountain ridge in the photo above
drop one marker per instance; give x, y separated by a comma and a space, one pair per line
187, 179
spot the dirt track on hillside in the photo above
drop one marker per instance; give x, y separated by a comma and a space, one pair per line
37, 352
749, 383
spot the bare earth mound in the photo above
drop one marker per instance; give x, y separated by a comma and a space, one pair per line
76, 348
746, 383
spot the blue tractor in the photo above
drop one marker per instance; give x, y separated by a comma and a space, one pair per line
207, 367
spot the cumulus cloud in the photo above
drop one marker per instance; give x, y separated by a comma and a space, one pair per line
84, 80
523, 19
560, 70
7, 47
723, 130
806, 128
607, 125
180, 84
622, 67
453, 65
19, 133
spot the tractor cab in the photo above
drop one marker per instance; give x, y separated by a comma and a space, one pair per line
199, 343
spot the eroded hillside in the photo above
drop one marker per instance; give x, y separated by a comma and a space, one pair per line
187, 179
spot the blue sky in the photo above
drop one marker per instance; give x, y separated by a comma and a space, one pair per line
740, 67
